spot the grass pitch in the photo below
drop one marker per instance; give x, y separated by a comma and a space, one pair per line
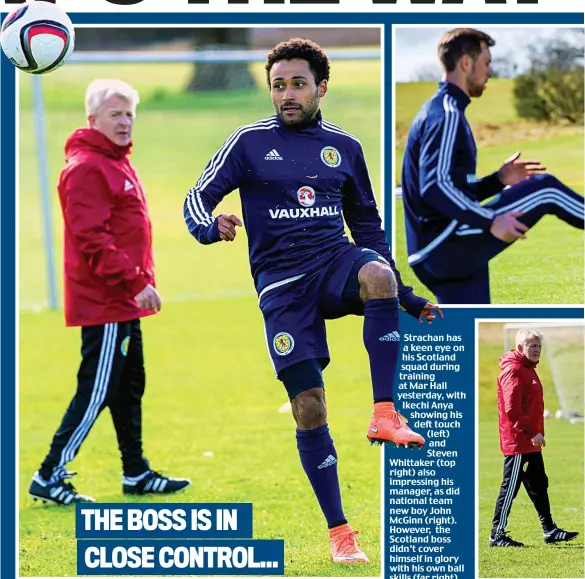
210, 382
535, 270
563, 458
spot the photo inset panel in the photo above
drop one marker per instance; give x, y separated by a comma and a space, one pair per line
489, 163
530, 449
164, 141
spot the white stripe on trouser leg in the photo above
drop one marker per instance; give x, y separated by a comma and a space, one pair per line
509, 493
99, 391
565, 203
545, 195
98, 394
538, 195
575, 211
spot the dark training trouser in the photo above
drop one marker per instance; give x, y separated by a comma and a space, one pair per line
527, 469
457, 271
111, 374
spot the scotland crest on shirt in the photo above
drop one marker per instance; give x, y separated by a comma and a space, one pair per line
331, 156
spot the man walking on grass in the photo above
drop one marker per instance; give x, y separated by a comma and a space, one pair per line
521, 422
109, 287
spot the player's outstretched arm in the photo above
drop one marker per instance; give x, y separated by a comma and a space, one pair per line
197, 212
513, 171
221, 176
488, 186
362, 217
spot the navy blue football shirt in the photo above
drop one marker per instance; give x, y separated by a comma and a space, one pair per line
440, 189
296, 187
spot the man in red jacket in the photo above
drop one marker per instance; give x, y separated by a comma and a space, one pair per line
109, 286
521, 421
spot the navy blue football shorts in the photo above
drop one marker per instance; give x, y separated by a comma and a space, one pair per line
295, 308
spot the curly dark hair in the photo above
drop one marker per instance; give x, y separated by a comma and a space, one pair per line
303, 49
459, 42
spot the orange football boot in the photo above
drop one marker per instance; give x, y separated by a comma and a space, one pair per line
345, 548
389, 426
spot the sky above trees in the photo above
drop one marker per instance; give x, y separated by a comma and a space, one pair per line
416, 48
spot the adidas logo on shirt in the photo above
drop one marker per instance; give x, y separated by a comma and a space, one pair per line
273, 156
391, 337
128, 185
329, 461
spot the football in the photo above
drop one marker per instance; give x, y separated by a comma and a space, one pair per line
38, 37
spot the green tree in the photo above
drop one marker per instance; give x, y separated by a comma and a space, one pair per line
221, 76
553, 87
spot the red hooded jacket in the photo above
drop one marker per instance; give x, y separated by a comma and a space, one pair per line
108, 234
520, 404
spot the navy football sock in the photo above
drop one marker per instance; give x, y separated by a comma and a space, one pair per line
319, 460
382, 342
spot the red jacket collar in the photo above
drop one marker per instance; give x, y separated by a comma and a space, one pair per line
515, 357
93, 140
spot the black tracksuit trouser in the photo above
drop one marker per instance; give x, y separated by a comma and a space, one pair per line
527, 469
111, 374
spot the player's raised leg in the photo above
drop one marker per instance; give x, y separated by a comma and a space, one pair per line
296, 340
318, 456
378, 291
539, 196
457, 270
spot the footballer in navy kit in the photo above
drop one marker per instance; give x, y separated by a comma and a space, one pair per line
299, 176
450, 235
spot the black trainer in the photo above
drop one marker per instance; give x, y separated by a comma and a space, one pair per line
155, 483
557, 535
58, 493
504, 540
